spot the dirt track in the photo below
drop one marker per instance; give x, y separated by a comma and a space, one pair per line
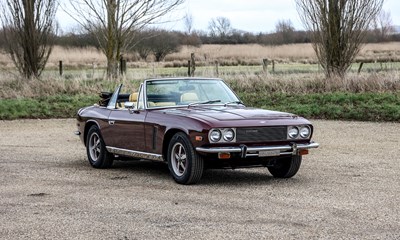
349, 188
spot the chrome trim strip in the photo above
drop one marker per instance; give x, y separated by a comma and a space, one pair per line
294, 148
135, 154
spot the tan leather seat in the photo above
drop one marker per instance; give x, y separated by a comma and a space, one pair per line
189, 97
164, 104
133, 97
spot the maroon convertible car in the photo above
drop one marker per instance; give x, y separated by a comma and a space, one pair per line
192, 124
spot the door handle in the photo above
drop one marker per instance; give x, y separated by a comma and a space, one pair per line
111, 122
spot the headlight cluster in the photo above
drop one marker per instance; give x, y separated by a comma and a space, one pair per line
222, 135
299, 132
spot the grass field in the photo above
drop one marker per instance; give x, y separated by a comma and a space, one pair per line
344, 106
297, 84
250, 54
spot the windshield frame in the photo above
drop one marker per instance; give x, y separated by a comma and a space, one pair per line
146, 83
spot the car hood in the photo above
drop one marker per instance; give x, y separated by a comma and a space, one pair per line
221, 113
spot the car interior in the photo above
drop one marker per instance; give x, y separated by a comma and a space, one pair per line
158, 100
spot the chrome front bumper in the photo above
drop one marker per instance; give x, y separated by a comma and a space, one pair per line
261, 151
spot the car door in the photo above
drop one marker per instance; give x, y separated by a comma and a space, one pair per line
126, 127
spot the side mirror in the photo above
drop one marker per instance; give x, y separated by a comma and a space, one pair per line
130, 106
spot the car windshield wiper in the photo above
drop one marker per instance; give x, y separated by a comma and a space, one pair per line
205, 102
233, 102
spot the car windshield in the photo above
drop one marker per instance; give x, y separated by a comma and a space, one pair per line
168, 93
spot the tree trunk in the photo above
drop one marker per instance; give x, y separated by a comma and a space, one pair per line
112, 69
112, 53
30, 43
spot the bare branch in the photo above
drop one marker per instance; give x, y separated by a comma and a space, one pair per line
220, 27
188, 20
114, 22
29, 29
337, 29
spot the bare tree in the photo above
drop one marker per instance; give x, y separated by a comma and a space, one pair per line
29, 28
165, 43
285, 32
383, 25
114, 22
220, 27
190, 36
144, 47
337, 29
188, 21
158, 42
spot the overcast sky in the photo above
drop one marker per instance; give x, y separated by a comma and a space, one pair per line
248, 15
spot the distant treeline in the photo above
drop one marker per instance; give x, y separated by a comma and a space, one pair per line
197, 38
158, 43
201, 37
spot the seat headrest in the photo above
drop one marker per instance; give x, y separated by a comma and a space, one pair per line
189, 97
133, 97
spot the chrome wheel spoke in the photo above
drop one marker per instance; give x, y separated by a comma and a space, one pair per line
178, 159
177, 166
180, 150
183, 167
97, 143
94, 147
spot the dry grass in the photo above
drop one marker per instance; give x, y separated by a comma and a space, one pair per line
317, 83
379, 47
76, 57
254, 53
82, 78
5, 61
381, 51
20, 88
251, 54
241, 81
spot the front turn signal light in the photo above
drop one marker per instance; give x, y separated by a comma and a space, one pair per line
303, 152
224, 155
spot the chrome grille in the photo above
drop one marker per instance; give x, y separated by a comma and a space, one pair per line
261, 134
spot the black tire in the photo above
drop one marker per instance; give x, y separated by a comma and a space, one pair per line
286, 167
97, 153
185, 165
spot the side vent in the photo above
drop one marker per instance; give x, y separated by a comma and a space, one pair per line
155, 131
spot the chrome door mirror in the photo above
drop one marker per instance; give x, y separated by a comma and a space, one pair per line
130, 106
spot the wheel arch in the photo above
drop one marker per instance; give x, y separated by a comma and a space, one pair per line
167, 138
88, 125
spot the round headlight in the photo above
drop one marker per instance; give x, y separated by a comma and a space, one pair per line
293, 132
215, 135
229, 135
305, 132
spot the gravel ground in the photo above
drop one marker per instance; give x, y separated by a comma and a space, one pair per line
349, 188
